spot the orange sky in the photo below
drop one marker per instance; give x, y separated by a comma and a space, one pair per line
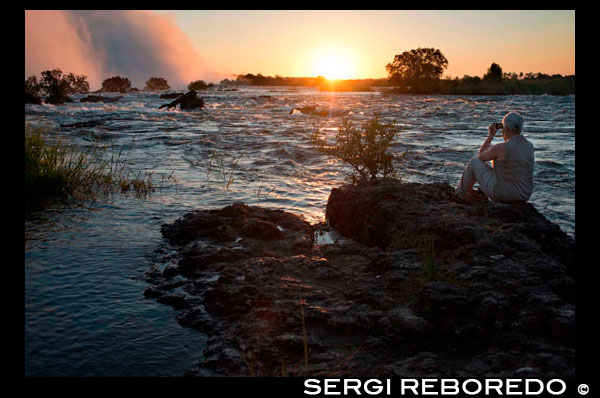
294, 43
213, 45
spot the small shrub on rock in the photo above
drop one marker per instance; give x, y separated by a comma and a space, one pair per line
365, 149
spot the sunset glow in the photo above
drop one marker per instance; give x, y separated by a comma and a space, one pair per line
338, 44
334, 64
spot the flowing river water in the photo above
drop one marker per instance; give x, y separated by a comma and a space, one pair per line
85, 311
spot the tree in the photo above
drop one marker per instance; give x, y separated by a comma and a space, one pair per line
55, 86
116, 84
32, 85
54, 82
197, 85
417, 68
77, 84
157, 83
494, 73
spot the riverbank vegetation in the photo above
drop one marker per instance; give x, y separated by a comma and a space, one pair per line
57, 170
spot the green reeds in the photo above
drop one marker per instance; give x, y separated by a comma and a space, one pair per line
56, 169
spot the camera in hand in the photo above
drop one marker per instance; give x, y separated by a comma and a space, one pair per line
499, 126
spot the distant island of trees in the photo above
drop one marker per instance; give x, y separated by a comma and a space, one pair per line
417, 71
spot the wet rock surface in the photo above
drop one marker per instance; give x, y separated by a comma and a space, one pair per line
314, 111
417, 284
99, 98
170, 95
186, 101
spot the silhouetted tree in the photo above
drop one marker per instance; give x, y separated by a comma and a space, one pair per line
197, 85
417, 68
116, 84
510, 75
540, 76
244, 79
77, 84
471, 79
54, 85
494, 73
32, 85
57, 87
157, 83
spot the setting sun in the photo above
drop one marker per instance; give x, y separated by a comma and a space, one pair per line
334, 64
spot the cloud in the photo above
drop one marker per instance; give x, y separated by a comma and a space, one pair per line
99, 44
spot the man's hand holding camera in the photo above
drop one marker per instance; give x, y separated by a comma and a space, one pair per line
493, 128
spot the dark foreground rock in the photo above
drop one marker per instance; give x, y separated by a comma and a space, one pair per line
428, 286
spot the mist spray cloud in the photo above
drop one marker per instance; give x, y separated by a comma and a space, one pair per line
99, 44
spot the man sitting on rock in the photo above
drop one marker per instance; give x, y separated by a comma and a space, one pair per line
511, 178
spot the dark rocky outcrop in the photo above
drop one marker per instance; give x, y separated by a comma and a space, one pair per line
387, 214
170, 95
314, 111
57, 99
99, 98
499, 302
187, 101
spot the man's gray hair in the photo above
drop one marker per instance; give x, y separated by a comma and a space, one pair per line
513, 121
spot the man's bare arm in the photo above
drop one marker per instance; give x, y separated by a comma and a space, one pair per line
487, 152
486, 144
494, 152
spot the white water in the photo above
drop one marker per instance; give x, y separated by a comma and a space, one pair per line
84, 267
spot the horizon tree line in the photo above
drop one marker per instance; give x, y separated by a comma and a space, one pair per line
56, 86
417, 71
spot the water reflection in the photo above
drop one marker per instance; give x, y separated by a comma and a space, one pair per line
85, 312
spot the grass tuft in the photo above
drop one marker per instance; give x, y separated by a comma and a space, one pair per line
55, 169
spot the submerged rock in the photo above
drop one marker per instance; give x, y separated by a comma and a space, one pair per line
170, 95
490, 295
314, 111
99, 98
91, 123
